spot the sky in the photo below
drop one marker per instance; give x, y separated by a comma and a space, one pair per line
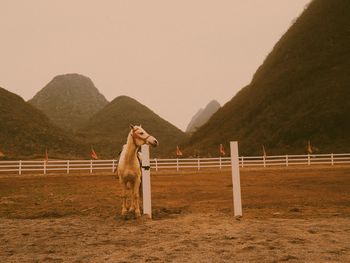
172, 56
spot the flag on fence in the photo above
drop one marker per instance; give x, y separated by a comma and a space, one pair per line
93, 154
222, 150
264, 152
309, 148
46, 156
178, 152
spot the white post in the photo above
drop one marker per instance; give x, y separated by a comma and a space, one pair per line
177, 164
198, 164
20, 167
332, 159
156, 164
220, 162
44, 166
286, 160
67, 166
264, 161
146, 181
308, 159
236, 182
242, 161
91, 166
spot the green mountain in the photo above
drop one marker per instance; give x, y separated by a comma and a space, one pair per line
107, 130
301, 92
69, 100
202, 116
25, 132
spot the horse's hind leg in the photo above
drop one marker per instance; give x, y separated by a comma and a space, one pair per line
137, 196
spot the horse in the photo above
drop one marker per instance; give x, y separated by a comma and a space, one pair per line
129, 167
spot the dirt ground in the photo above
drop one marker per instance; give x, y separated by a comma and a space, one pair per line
289, 215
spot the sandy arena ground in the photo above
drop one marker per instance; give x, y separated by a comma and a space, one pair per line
290, 215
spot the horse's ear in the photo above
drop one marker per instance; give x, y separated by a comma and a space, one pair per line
131, 126
140, 126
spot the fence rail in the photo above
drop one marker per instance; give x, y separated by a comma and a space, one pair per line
68, 166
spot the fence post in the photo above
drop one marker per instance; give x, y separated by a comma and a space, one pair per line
44, 166
177, 164
236, 183
242, 161
332, 159
198, 164
308, 159
264, 161
67, 166
20, 167
220, 162
287, 160
146, 181
156, 162
91, 166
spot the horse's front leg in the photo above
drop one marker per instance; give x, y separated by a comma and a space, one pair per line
137, 196
124, 196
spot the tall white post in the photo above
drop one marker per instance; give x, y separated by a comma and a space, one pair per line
91, 166
146, 181
67, 166
236, 181
20, 167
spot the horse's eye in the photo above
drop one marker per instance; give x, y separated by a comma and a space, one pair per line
141, 133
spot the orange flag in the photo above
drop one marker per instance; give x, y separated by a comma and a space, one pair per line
309, 148
178, 152
222, 150
93, 154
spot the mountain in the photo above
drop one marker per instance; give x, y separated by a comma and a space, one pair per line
107, 130
202, 116
25, 132
69, 100
301, 92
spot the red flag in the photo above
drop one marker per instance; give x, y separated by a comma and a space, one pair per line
309, 148
46, 156
222, 150
178, 152
93, 154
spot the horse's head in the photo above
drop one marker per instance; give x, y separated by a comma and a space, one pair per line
140, 136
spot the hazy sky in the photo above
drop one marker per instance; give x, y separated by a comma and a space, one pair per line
173, 56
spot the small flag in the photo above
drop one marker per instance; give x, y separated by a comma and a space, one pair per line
46, 156
93, 154
222, 150
309, 148
178, 152
264, 152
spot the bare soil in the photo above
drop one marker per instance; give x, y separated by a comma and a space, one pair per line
289, 215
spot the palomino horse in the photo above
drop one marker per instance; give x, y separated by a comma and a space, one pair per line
129, 170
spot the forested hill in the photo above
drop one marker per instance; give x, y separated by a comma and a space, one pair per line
107, 130
25, 132
301, 92
69, 100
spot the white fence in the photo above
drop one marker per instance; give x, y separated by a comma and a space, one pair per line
68, 166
